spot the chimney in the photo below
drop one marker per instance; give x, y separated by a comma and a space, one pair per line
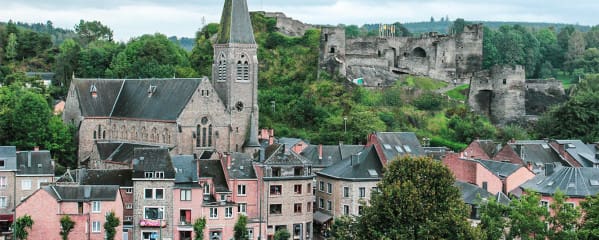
529, 166
228, 161
262, 154
513, 140
36, 148
29, 159
549, 167
340, 143
320, 152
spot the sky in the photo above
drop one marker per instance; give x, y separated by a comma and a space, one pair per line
132, 18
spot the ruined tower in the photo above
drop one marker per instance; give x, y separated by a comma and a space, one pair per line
235, 74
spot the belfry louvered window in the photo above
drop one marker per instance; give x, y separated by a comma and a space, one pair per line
222, 68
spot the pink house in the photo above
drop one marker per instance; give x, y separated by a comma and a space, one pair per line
87, 205
493, 176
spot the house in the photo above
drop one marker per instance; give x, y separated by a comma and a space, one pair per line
535, 154
114, 154
575, 183
86, 205
35, 168
153, 187
344, 188
243, 179
286, 199
293, 144
8, 170
473, 196
390, 145
490, 175
323, 156
191, 116
481, 149
187, 196
576, 152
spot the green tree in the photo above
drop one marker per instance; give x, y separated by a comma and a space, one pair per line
198, 228
61, 142
66, 64
11, 47
457, 27
344, 228
241, 232
527, 217
21, 225
564, 218
416, 200
352, 31
30, 118
66, 226
94, 59
202, 54
589, 229
282, 234
493, 219
91, 31
112, 221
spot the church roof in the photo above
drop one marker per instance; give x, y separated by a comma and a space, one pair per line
236, 26
135, 98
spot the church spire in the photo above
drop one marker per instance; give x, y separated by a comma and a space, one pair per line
236, 26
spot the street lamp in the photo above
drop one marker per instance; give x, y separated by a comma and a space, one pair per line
345, 125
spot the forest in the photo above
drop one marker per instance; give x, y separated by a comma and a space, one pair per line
294, 99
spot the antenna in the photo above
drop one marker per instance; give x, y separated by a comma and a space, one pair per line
203, 21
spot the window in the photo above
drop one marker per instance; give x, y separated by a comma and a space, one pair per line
297, 208
2, 163
159, 174
345, 191
96, 226
185, 216
329, 188
241, 190
222, 68
545, 204
321, 203
149, 174
213, 213
309, 207
203, 133
321, 186
96, 206
154, 213
242, 207
26, 184
360, 210
39, 182
3, 202
362, 192
185, 194
569, 205
276, 171
276, 208
297, 189
3, 182
329, 205
346, 209
206, 189
128, 218
275, 190
228, 212
149, 235
129, 190
129, 206
298, 171
154, 193
250, 233
485, 184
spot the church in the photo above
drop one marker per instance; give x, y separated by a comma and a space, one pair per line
198, 116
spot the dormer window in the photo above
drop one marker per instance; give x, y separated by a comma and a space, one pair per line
149, 174
159, 174
93, 90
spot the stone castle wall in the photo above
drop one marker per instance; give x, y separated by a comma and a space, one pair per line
289, 26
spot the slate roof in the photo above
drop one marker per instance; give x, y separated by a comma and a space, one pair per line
364, 166
152, 160
35, 163
213, 169
581, 152
186, 169
276, 155
472, 194
241, 166
119, 152
501, 169
78, 193
120, 177
394, 144
536, 152
574, 182
129, 98
236, 26
288, 142
330, 153
9, 154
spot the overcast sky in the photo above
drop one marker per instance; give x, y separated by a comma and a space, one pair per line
130, 18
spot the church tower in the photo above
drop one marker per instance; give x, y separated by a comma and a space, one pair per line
235, 75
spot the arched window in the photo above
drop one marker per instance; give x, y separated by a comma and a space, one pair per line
154, 135
243, 69
204, 133
144, 134
222, 68
166, 136
123, 132
115, 132
132, 134
95, 134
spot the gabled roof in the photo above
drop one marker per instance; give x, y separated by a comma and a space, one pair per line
584, 155
472, 194
500, 169
131, 98
275, 154
186, 169
399, 144
152, 160
120, 177
213, 169
35, 163
484, 149
9, 155
236, 26
241, 166
574, 182
119, 151
330, 153
363, 166
79, 193
536, 152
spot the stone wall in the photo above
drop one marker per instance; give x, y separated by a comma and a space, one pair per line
139, 202
541, 94
289, 26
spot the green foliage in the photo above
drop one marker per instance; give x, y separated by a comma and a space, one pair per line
465, 126
417, 200
512, 131
459, 93
30, 116
429, 101
575, 119
282, 234
66, 226
241, 232
437, 141
92, 31
344, 228
564, 218
202, 54
95, 58
11, 47
198, 228
21, 225
589, 229
527, 217
66, 64
458, 26
112, 221
492, 219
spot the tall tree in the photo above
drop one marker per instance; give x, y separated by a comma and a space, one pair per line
493, 219
576, 46
12, 47
589, 228
344, 228
416, 200
66, 64
30, 118
92, 31
66, 226
112, 221
21, 225
457, 26
564, 218
202, 54
241, 231
198, 228
527, 217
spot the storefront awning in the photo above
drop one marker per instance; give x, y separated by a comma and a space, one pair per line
6, 217
321, 218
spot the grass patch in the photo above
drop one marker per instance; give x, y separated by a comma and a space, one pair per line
565, 78
458, 93
423, 83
